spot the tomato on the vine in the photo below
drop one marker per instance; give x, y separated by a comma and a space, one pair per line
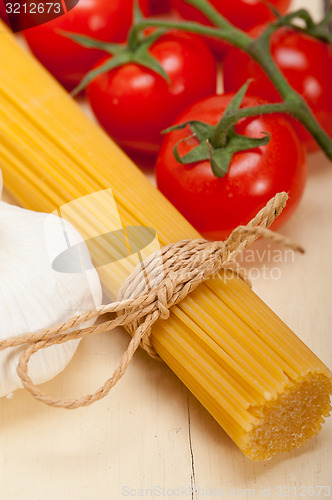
244, 14
107, 20
134, 104
305, 62
216, 205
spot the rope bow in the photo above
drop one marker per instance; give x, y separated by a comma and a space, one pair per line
174, 272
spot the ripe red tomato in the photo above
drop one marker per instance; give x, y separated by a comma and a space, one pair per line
216, 205
3, 14
159, 7
107, 20
244, 14
304, 61
134, 104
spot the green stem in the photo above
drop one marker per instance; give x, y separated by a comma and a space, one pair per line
236, 37
133, 38
212, 14
219, 138
300, 14
293, 103
304, 115
257, 49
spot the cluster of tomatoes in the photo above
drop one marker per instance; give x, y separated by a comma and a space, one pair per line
134, 104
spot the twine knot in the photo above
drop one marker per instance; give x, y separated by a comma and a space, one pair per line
163, 280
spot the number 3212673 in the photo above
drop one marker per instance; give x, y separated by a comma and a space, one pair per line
33, 8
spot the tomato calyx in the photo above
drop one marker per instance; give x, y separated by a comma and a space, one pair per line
136, 51
218, 143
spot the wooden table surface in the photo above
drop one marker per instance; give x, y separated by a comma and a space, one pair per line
150, 438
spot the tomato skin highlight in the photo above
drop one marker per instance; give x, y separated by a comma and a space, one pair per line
244, 14
107, 20
307, 65
134, 104
215, 206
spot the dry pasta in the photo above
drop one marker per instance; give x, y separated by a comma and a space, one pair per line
267, 390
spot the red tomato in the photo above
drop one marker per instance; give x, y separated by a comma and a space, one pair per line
244, 14
107, 20
304, 61
159, 6
135, 104
216, 205
3, 13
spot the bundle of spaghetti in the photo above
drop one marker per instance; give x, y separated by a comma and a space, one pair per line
267, 390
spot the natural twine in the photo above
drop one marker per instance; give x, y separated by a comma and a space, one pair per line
182, 267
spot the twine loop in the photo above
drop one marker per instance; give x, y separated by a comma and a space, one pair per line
163, 280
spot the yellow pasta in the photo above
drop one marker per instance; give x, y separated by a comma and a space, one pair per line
267, 390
